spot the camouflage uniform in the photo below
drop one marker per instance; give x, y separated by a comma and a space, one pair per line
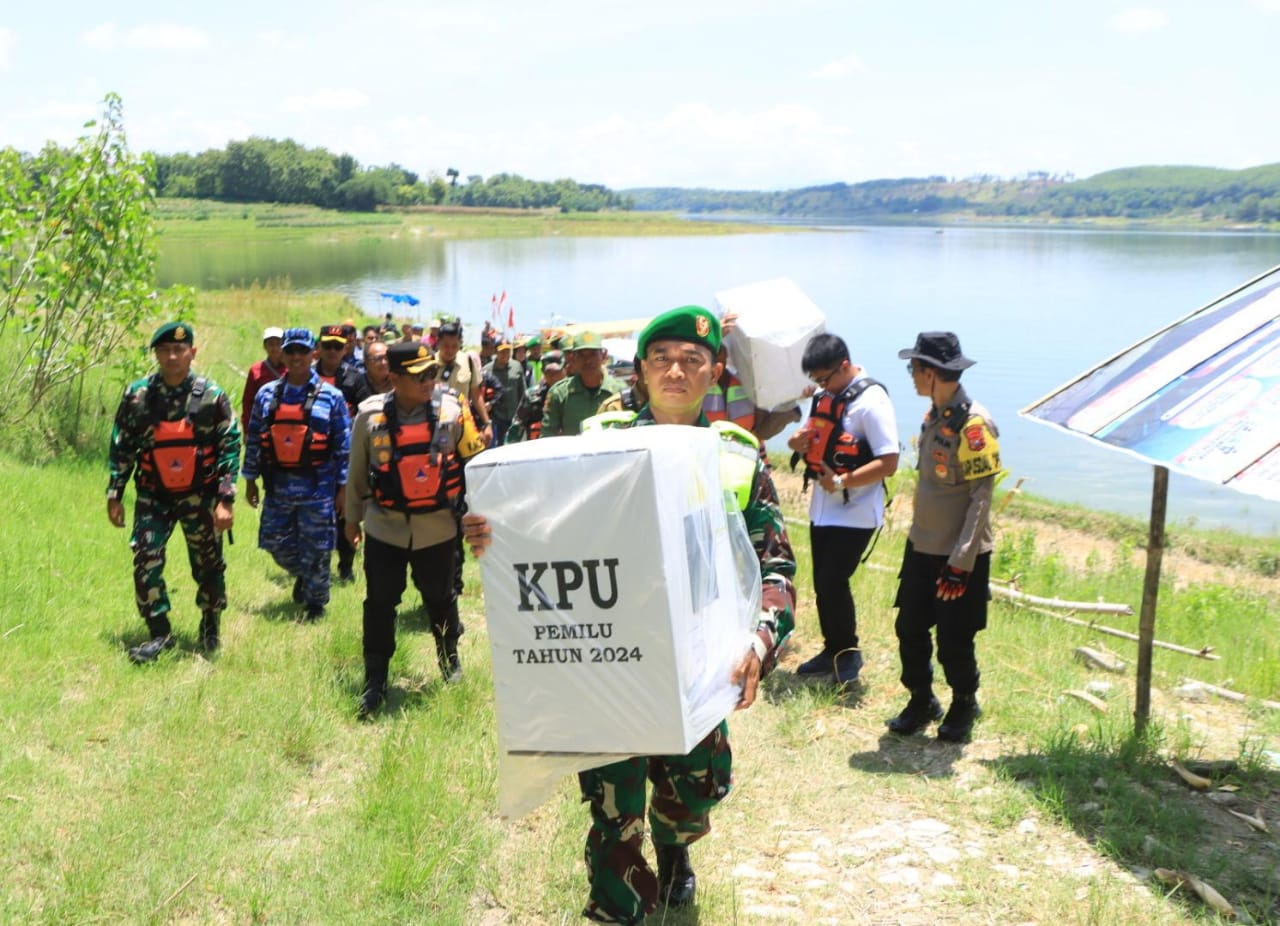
685, 788
156, 510
298, 521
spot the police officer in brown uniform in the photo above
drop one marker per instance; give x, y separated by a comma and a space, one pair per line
404, 485
945, 567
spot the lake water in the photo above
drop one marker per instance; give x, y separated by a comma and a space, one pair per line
1034, 307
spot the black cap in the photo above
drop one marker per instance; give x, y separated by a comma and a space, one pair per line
937, 348
410, 357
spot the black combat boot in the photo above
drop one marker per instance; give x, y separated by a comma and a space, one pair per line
209, 638
375, 687
676, 881
921, 710
958, 723
297, 591
447, 657
160, 641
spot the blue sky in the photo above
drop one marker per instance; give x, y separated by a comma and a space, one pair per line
723, 93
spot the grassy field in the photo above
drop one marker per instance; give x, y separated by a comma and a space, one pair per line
241, 789
207, 220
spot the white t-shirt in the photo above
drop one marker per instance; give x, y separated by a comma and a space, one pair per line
871, 416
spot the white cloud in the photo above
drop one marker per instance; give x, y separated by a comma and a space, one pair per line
8, 39
1137, 20
690, 145
103, 36
325, 100
841, 67
149, 36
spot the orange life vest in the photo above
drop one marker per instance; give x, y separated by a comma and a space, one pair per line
288, 439
729, 400
829, 442
409, 467
177, 462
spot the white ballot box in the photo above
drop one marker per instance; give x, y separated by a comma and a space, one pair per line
775, 322
614, 610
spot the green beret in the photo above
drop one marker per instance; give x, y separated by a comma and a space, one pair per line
175, 333
690, 323
533, 341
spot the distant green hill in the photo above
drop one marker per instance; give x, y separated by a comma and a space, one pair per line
1205, 194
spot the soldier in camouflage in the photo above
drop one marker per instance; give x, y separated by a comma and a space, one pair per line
177, 435
678, 354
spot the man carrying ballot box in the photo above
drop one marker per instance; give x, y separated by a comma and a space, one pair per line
678, 357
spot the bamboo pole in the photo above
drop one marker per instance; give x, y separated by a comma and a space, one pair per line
1090, 607
1230, 695
1150, 594
1205, 653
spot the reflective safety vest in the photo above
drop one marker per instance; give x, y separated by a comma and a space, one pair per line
829, 442
739, 454
410, 466
728, 400
177, 462
289, 440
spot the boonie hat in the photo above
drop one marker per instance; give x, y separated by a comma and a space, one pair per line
272, 332
939, 349
332, 333
411, 357
300, 337
690, 323
174, 333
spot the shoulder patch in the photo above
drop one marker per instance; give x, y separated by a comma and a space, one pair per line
979, 450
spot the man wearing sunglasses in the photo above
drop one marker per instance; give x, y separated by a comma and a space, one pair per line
943, 586
850, 447
298, 439
406, 482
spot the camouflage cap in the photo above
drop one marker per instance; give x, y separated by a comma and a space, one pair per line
299, 337
174, 333
690, 323
587, 340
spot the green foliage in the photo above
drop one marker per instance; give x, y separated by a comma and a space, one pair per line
265, 170
77, 260
1135, 193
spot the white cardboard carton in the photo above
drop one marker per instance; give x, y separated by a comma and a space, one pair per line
775, 322
612, 600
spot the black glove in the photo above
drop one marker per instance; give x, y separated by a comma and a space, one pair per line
951, 583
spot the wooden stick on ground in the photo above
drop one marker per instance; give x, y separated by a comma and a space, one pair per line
1205, 653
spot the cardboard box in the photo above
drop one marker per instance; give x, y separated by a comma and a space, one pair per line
775, 322
614, 612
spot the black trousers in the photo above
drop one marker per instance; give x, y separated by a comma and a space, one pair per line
385, 568
836, 552
957, 622
346, 552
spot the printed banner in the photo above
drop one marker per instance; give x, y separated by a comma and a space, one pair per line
1201, 397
